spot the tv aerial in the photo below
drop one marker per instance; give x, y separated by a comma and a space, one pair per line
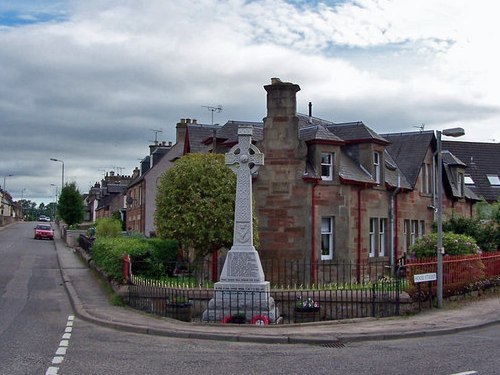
217, 109
156, 133
421, 127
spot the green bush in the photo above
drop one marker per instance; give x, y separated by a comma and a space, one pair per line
151, 255
454, 244
485, 232
108, 227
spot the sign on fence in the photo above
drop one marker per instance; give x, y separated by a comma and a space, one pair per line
420, 278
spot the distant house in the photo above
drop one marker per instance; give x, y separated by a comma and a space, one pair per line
482, 167
141, 193
107, 197
10, 211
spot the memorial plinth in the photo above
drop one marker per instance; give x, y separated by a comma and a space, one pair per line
242, 288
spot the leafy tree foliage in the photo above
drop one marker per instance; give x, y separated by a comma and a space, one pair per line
195, 203
70, 207
485, 232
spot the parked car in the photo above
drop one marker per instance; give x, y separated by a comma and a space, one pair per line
44, 218
44, 231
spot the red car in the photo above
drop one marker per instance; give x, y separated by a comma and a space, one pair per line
44, 231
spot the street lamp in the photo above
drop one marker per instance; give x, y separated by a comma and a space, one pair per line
4, 178
55, 204
453, 132
62, 178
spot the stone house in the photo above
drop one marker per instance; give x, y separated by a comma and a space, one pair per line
328, 191
340, 191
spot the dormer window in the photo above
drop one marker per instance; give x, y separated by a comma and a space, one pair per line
327, 166
460, 184
376, 167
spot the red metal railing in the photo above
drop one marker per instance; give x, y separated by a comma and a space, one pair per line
458, 270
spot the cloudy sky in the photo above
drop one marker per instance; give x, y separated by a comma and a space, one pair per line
86, 81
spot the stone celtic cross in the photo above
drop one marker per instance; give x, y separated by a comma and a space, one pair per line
244, 159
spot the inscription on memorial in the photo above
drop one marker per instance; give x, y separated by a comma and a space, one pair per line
242, 265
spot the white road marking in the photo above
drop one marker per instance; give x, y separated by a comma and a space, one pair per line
466, 373
63, 347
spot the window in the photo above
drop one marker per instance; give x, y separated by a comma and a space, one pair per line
381, 238
425, 179
468, 180
460, 184
406, 231
421, 231
372, 237
377, 235
327, 243
413, 231
376, 167
327, 166
493, 179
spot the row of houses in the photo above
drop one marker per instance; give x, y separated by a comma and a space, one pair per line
10, 211
328, 191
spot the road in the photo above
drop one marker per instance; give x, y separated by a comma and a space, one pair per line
37, 328
33, 302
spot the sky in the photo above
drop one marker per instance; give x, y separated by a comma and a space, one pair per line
88, 81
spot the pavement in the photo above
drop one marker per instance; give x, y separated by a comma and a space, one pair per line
91, 303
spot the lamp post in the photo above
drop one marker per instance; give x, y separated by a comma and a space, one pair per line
453, 132
55, 204
4, 178
62, 178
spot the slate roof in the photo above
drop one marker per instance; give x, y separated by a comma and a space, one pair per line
352, 172
356, 132
306, 121
393, 176
228, 133
408, 151
482, 159
197, 133
317, 133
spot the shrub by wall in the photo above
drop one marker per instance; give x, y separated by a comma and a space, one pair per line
152, 254
454, 244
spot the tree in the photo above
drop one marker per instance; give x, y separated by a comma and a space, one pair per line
195, 203
70, 207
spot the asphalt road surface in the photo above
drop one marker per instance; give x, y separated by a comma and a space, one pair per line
40, 335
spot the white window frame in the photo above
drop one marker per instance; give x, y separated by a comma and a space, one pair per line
376, 167
381, 237
327, 237
328, 165
406, 229
413, 231
425, 182
421, 231
372, 236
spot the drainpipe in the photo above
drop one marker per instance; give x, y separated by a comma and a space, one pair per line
358, 272
393, 218
313, 231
